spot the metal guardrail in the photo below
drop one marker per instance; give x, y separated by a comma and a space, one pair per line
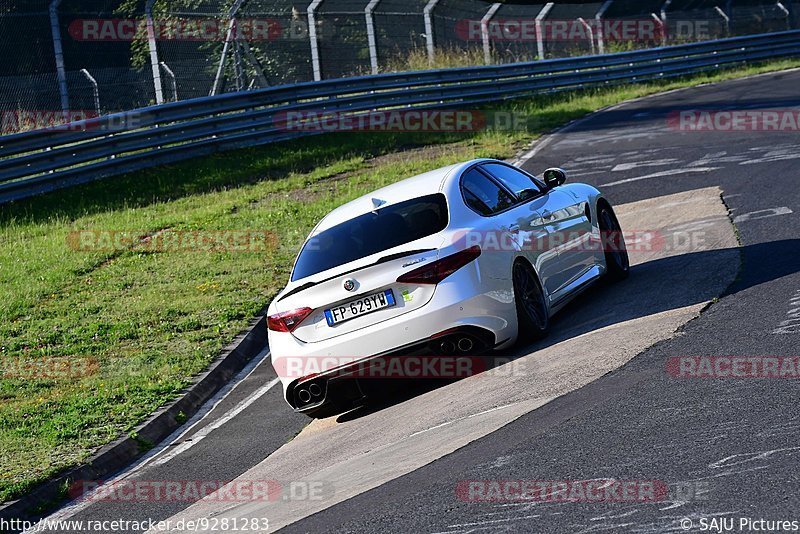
44, 160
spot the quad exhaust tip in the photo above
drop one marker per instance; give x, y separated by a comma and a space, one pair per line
463, 345
307, 393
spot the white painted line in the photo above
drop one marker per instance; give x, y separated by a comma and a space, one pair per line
762, 214
541, 143
77, 506
637, 164
205, 431
204, 411
672, 172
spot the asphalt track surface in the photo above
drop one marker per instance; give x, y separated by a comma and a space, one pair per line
731, 446
736, 442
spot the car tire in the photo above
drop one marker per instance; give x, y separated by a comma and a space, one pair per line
533, 315
618, 265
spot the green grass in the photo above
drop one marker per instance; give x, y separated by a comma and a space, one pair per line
153, 320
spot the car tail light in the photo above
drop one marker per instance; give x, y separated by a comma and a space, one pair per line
441, 269
287, 321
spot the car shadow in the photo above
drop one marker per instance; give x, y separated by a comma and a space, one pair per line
653, 287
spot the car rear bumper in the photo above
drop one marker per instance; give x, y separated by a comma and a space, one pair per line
449, 355
482, 309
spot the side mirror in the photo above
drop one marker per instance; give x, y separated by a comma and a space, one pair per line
554, 177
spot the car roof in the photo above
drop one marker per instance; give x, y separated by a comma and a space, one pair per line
424, 184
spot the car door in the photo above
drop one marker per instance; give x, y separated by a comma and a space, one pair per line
572, 235
516, 222
557, 227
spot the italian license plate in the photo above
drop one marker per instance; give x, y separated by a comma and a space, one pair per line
358, 307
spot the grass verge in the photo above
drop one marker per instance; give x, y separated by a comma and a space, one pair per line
147, 321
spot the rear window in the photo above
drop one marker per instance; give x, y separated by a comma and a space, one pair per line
371, 233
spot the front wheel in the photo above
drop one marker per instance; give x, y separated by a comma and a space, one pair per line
618, 265
532, 312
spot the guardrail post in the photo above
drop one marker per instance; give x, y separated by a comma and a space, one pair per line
601, 39
172, 78
151, 43
95, 90
312, 36
588, 28
58, 52
539, 34
373, 45
726, 18
487, 49
428, 14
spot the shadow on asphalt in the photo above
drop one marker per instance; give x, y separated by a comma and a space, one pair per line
649, 290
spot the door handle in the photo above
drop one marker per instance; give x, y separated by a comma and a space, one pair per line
547, 215
512, 228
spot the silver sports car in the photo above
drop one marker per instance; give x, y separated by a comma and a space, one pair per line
466, 258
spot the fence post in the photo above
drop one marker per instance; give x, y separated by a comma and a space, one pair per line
487, 49
237, 60
589, 31
726, 18
663, 26
373, 45
58, 52
601, 40
787, 13
221, 68
312, 36
151, 43
664, 9
95, 90
539, 35
428, 13
228, 36
172, 78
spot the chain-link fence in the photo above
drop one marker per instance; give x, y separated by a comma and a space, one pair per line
65, 59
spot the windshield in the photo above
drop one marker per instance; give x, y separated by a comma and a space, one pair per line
371, 233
